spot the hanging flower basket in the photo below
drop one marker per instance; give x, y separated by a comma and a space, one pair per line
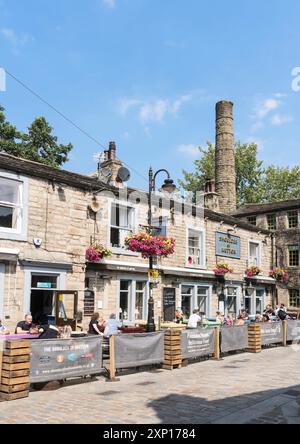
149, 245
252, 271
279, 274
222, 269
96, 252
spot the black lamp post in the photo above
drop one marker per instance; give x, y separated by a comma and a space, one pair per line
167, 187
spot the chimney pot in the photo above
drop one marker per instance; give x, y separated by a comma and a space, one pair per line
112, 151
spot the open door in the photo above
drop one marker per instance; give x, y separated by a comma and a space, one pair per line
66, 304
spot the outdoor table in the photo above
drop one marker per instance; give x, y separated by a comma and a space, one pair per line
132, 330
22, 336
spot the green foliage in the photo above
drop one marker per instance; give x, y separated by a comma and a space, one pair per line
39, 144
255, 183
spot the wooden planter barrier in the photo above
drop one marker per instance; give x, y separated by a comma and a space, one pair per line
15, 370
172, 344
254, 338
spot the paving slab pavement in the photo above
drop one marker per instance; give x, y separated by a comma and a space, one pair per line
244, 388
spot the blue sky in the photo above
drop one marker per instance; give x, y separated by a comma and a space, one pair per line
147, 74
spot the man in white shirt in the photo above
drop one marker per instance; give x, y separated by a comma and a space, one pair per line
194, 319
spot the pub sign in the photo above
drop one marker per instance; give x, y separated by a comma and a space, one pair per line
228, 245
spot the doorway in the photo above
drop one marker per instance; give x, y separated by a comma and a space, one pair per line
42, 300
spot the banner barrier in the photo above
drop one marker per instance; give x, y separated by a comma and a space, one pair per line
197, 342
293, 330
271, 333
234, 338
137, 349
56, 359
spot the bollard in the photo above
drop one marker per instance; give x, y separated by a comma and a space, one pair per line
284, 333
112, 362
217, 344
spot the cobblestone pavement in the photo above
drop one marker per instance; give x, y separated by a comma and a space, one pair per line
244, 388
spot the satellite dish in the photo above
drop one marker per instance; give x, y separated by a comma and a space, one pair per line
124, 174
95, 205
106, 172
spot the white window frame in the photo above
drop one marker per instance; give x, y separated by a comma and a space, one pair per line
29, 271
122, 250
19, 233
259, 245
194, 295
253, 298
238, 298
2, 274
263, 298
202, 241
131, 298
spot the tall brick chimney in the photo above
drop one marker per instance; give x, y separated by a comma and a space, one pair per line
225, 162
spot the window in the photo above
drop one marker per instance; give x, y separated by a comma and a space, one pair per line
186, 300
259, 301
202, 300
13, 211
232, 300
254, 253
124, 298
272, 222
294, 298
292, 219
133, 300
251, 220
10, 204
121, 224
195, 251
293, 256
140, 299
160, 224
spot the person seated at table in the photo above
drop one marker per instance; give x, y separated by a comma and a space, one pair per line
49, 332
219, 318
26, 326
270, 310
3, 329
229, 320
258, 318
178, 317
112, 325
266, 318
94, 327
240, 320
244, 314
194, 319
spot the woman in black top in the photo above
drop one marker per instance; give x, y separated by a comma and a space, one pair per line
93, 326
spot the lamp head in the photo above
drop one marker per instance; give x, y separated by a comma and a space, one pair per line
168, 187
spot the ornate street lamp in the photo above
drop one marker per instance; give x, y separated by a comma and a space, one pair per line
170, 188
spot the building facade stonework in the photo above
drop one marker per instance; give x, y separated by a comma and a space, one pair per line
283, 219
47, 222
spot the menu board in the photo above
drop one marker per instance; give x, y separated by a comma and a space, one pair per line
169, 304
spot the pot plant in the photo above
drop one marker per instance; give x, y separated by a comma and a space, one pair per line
149, 245
222, 269
95, 252
252, 271
279, 274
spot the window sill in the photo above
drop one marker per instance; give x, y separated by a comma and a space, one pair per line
195, 267
123, 252
13, 236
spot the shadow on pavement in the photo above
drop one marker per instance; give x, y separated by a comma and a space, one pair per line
280, 406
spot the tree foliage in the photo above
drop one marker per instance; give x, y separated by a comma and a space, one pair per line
254, 182
38, 144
